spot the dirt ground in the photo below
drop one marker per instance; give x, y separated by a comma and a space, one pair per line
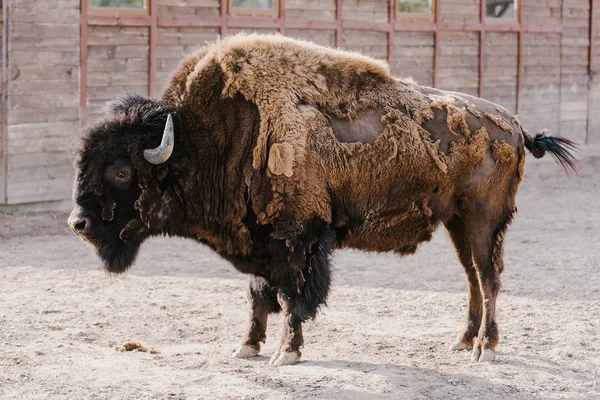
385, 334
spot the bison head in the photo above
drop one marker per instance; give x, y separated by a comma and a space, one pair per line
127, 179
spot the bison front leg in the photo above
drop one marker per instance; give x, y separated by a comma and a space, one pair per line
263, 301
288, 351
303, 281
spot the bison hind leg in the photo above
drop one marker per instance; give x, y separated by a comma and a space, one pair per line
458, 234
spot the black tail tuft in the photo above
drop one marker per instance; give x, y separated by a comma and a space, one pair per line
559, 147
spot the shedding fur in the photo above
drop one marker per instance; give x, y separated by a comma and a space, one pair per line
502, 152
439, 102
263, 173
281, 159
500, 122
457, 123
473, 110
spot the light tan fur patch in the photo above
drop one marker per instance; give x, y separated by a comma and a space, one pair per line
500, 122
502, 152
456, 121
516, 121
281, 159
473, 110
502, 110
440, 101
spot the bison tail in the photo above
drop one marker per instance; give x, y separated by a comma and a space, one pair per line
559, 147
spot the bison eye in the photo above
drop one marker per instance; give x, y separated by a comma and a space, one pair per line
119, 174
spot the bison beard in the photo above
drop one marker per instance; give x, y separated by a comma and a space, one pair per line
116, 254
283, 151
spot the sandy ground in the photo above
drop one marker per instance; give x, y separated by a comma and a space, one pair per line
385, 333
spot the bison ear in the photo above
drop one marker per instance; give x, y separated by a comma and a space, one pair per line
162, 153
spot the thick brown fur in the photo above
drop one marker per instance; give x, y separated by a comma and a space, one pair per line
268, 183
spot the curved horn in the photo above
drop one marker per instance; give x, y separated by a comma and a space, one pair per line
162, 153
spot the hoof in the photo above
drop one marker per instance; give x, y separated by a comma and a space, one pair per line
475, 354
285, 358
246, 351
487, 355
460, 345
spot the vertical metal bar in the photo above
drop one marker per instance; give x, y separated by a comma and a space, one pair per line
152, 53
482, 48
224, 11
592, 37
4, 111
338, 20
436, 43
520, 55
282, 17
560, 65
83, 53
391, 19
591, 68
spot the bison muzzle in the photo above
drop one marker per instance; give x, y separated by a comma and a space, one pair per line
274, 152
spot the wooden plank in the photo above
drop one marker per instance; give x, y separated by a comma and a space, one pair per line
365, 10
31, 131
31, 115
41, 173
48, 190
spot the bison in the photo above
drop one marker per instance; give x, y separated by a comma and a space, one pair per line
274, 152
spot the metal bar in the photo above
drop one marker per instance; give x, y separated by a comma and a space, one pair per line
282, 17
592, 37
482, 48
117, 20
520, 55
83, 50
316, 25
224, 11
406, 26
243, 22
183, 22
251, 22
367, 26
338, 23
3, 126
391, 18
591, 67
262, 22
436, 43
152, 50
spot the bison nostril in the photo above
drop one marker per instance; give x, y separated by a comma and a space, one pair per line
80, 226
